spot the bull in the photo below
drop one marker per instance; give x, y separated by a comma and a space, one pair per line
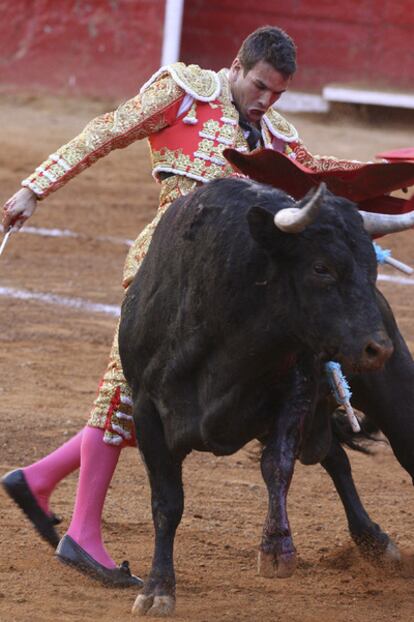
223, 336
386, 397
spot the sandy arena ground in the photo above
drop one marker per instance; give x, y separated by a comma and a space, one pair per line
52, 357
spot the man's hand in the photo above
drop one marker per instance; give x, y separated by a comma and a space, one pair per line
18, 209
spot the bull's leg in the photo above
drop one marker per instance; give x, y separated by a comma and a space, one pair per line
387, 396
277, 553
367, 535
157, 597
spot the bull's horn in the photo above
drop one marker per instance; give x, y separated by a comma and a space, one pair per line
381, 224
296, 219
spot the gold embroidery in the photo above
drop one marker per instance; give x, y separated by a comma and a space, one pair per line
197, 168
240, 142
171, 188
227, 133
200, 83
220, 133
209, 149
215, 171
322, 163
174, 187
230, 113
133, 120
40, 180
171, 158
119, 430
278, 125
211, 127
267, 136
191, 116
230, 130
114, 402
206, 146
225, 93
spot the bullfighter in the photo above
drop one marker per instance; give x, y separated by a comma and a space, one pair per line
189, 116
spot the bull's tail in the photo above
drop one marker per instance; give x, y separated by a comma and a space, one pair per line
358, 441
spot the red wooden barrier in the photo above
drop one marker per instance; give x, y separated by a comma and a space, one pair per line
96, 47
365, 42
109, 47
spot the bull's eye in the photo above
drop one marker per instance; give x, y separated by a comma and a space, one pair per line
320, 268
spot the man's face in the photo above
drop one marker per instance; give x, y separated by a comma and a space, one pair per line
256, 91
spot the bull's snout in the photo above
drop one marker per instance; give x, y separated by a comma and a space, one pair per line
376, 352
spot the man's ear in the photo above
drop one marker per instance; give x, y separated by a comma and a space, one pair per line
236, 64
235, 68
263, 228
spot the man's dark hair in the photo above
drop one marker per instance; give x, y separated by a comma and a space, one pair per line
272, 45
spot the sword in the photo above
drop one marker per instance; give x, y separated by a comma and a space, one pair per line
4, 242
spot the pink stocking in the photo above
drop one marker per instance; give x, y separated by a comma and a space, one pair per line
44, 475
98, 462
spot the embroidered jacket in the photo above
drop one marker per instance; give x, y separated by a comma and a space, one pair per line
189, 118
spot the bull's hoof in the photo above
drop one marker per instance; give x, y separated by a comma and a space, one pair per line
266, 566
153, 606
272, 566
379, 550
392, 554
286, 565
390, 557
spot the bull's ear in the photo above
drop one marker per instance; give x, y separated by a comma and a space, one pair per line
263, 228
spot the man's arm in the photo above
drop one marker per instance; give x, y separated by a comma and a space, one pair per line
150, 111
319, 163
19, 208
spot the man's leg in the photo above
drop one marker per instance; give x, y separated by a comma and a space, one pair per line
31, 487
43, 476
111, 416
109, 429
96, 449
98, 461
112, 428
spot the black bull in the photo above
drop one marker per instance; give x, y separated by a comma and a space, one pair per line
223, 335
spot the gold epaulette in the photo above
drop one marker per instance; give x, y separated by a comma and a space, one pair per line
279, 127
202, 84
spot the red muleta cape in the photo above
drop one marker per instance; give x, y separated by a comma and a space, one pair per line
368, 186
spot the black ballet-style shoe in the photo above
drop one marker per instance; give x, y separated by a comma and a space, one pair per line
70, 553
15, 484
